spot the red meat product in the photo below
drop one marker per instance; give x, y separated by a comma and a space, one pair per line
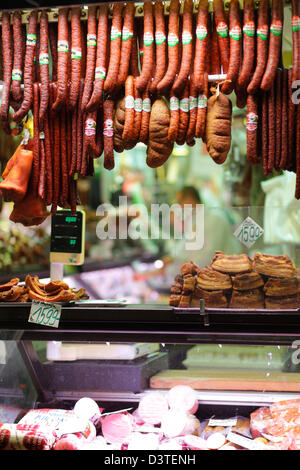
275, 45
161, 46
201, 46
63, 59
7, 71
235, 34
18, 58
148, 46
91, 56
44, 66
222, 31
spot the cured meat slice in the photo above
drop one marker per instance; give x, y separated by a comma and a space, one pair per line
249, 299
231, 264
247, 281
274, 266
277, 287
212, 299
280, 303
210, 279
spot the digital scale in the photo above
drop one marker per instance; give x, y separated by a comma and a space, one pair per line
67, 241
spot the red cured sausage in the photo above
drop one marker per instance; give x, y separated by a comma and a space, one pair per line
183, 116
115, 49
201, 46
44, 65
174, 117
278, 104
187, 48
265, 132
91, 56
28, 68
48, 159
53, 32
73, 165
55, 150
18, 58
193, 108
215, 60
134, 56
127, 36
99, 131
42, 171
296, 39
101, 56
235, 34
108, 134
252, 129
128, 131
222, 30
7, 71
272, 119
90, 135
144, 131
138, 109
248, 61
297, 192
261, 45
202, 110
76, 56
80, 136
63, 157
291, 120
36, 139
166, 83
63, 59
148, 46
284, 121
161, 47
275, 45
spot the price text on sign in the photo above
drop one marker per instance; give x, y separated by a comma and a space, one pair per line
248, 232
46, 314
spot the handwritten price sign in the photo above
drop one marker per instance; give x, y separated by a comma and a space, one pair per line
46, 314
248, 232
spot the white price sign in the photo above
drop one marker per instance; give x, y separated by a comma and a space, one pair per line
43, 313
248, 232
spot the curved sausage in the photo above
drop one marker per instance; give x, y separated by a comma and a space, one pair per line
134, 56
7, 71
161, 47
108, 134
76, 56
235, 34
63, 59
36, 139
53, 32
128, 131
278, 115
144, 130
222, 30
183, 116
148, 46
202, 110
115, 49
284, 121
91, 56
201, 46
296, 39
18, 58
248, 61
272, 130
193, 108
127, 36
174, 117
265, 133
252, 129
44, 66
261, 45
275, 45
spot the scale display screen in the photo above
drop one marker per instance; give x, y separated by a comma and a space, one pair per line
67, 237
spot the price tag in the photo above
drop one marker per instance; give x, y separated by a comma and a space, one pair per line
245, 442
223, 422
43, 313
248, 232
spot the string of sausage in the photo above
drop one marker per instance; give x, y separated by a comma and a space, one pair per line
53, 49
166, 83
235, 34
284, 121
36, 139
134, 56
7, 71
108, 134
91, 56
63, 59
278, 104
248, 61
161, 47
63, 157
44, 66
101, 55
48, 159
79, 133
262, 36
252, 129
265, 132
201, 46
28, 68
272, 119
128, 131
111, 80
76, 57
148, 46
275, 45
56, 150
127, 36
187, 49
18, 58
222, 30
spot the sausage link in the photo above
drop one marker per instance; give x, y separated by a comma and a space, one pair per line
265, 132
138, 109
108, 134
63, 59
275, 45
202, 110
44, 65
252, 129
183, 116
262, 36
174, 117
144, 130
7, 57
215, 60
193, 108
248, 62
296, 39
127, 36
56, 151
272, 119
128, 131
80, 136
291, 120
48, 159
53, 33
235, 34
90, 130
115, 49
63, 156
74, 118
36, 139
166, 83
18, 58
187, 49
76, 57
148, 44
42, 171
28, 68
284, 121
99, 131
278, 107
91, 56
161, 47
222, 30
201, 46
134, 56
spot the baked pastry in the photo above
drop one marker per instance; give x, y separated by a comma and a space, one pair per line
277, 287
247, 281
247, 299
281, 303
210, 279
231, 264
274, 266
212, 299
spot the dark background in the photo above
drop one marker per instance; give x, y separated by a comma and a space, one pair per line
28, 4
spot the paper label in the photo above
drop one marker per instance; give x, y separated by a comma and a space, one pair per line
249, 29
295, 23
174, 103
248, 232
263, 32
129, 102
236, 33
202, 101
108, 130
222, 422
115, 33
91, 40
76, 54
44, 59
62, 46
42, 135
148, 39
126, 34
46, 314
276, 28
100, 73
160, 38
252, 122
16, 75
90, 127
193, 103
172, 40
31, 39
147, 105
222, 29
186, 38
245, 442
138, 105
184, 105
201, 32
